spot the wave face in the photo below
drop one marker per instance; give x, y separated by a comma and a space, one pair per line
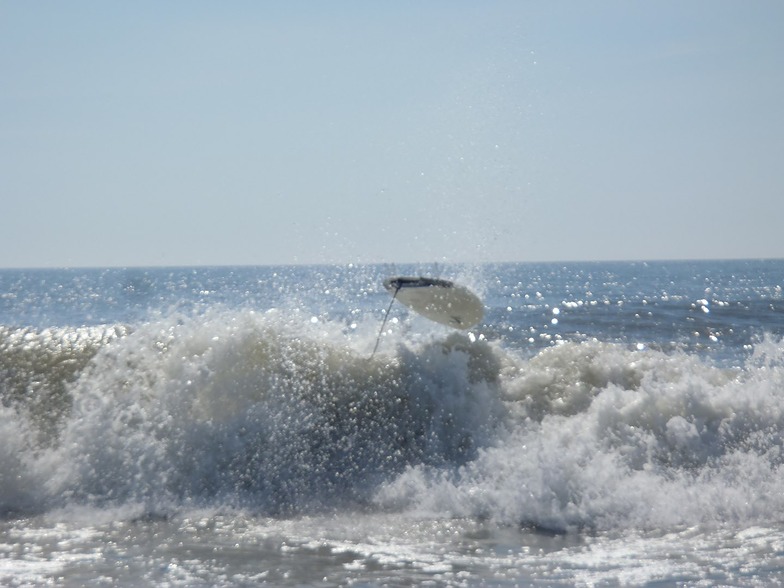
283, 415
233, 407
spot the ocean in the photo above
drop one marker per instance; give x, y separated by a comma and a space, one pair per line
605, 424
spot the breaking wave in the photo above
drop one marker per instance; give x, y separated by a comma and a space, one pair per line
280, 415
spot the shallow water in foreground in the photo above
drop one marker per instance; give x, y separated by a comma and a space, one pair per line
211, 549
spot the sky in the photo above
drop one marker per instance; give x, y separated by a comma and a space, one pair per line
254, 133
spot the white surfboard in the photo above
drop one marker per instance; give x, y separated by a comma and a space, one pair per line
441, 301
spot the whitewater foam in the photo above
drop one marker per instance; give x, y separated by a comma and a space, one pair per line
604, 437
255, 410
275, 412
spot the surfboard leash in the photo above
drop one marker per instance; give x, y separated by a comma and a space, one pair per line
384, 322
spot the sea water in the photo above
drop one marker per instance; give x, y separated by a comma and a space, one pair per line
606, 424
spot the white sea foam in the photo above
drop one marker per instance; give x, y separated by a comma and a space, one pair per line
603, 437
276, 412
263, 409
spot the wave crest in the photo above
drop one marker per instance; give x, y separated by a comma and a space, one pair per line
253, 410
280, 414
604, 437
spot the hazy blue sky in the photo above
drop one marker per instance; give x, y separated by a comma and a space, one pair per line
172, 133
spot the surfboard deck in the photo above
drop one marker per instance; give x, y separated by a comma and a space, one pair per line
439, 300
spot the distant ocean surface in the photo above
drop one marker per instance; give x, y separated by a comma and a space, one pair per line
606, 424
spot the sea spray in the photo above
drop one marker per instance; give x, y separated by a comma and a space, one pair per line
247, 409
604, 437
